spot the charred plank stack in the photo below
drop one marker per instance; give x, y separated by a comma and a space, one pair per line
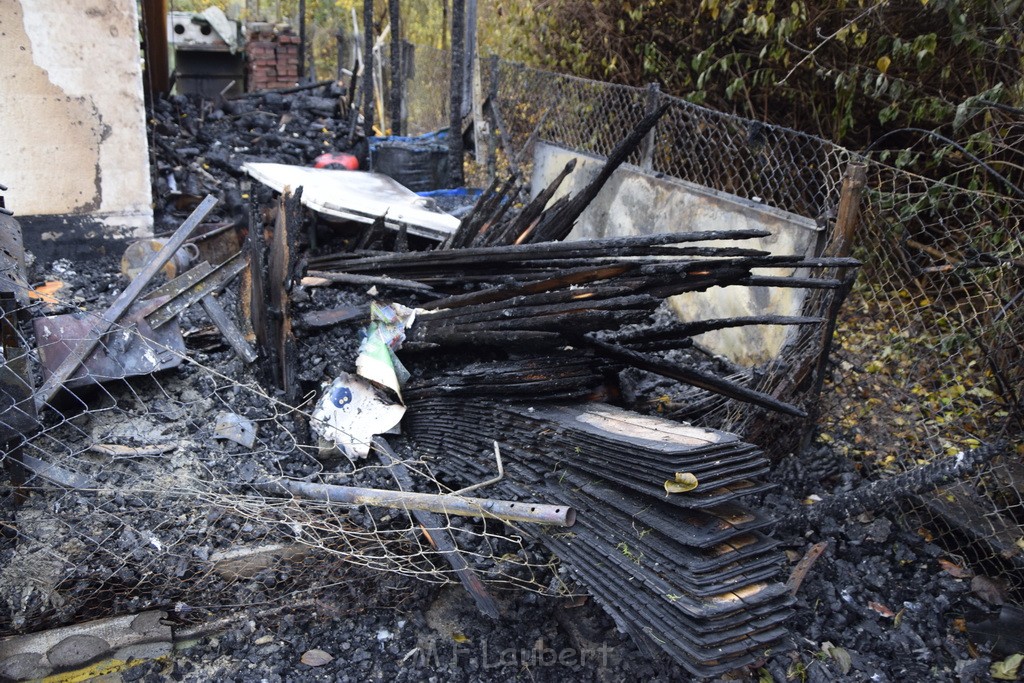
689, 573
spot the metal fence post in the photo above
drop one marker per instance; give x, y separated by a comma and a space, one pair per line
647, 148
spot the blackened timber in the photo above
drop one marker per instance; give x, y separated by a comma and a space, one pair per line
501, 292
690, 329
522, 339
382, 280
793, 282
486, 210
556, 225
232, 335
369, 233
211, 283
602, 247
510, 233
565, 324
439, 532
496, 218
271, 275
530, 307
556, 296
458, 236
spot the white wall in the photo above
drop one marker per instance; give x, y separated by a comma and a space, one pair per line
635, 203
72, 114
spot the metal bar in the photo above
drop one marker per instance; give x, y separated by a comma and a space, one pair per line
209, 284
481, 484
227, 328
121, 305
180, 284
505, 510
55, 474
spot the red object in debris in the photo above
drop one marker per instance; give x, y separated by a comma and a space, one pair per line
337, 160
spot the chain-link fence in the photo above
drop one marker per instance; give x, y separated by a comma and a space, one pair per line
929, 353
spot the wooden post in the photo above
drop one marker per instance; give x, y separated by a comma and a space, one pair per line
154, 17
368, 68
481, 132
397, 75
455, 175
848, 213
840, 244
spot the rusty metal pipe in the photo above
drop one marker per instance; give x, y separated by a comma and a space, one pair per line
505, 510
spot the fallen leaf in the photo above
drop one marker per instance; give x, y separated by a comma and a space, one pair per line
1006, 670
315, 657
839, 655
955, 570
988, 590
460, 638
881, 609
683, 482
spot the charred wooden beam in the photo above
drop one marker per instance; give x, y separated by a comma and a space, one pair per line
272, 268
439, 533
693, 377
557, 224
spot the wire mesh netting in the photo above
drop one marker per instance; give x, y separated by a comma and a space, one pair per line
144, 490
929, 357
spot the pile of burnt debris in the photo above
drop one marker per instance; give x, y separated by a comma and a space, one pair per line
200, 145
489, 346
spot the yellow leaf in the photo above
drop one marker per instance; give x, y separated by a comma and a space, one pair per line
683, 482
460, 638
883, 63
1006, 670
